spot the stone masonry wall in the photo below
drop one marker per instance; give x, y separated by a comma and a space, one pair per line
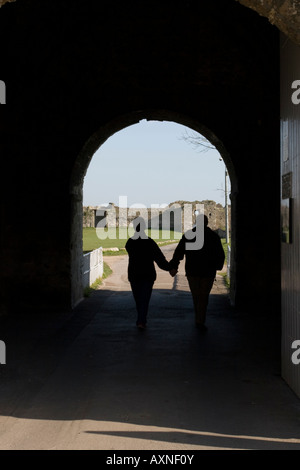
282, 13
113, 216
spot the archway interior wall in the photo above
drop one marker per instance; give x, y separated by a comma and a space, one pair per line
284, 15
201, 61
290, 211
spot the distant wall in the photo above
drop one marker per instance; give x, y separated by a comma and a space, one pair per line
157, 217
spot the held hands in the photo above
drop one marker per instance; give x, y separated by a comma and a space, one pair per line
173, 272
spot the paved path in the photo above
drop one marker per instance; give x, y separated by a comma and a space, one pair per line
91, 380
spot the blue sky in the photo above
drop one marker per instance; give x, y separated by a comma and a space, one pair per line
150, 163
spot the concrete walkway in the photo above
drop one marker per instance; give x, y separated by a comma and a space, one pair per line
91, 380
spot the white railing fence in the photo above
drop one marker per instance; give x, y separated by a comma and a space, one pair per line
92, 267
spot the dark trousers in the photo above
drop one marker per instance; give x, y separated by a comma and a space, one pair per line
142, 290
200, 288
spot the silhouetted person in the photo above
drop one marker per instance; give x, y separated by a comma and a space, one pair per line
143, 252
201, 264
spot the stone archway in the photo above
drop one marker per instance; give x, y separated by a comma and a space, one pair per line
283, 14
81, 166
201, 61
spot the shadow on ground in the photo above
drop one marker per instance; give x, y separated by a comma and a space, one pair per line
170, 384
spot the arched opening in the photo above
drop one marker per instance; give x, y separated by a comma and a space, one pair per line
215, 72
214, 62
84, 160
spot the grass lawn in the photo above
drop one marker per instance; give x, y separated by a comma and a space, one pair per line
225, 248
117, 238
90, 289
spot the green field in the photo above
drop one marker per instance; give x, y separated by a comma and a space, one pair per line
117, 238
225, 248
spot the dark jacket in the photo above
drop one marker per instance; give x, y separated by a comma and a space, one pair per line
203, 262
143, 252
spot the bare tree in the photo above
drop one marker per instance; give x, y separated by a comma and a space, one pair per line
197, 141
201, 144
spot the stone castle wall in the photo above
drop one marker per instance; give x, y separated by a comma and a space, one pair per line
178, 216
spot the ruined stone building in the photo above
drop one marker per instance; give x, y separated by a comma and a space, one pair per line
158, 218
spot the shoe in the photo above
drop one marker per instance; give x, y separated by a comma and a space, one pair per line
201, 326
141, 326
